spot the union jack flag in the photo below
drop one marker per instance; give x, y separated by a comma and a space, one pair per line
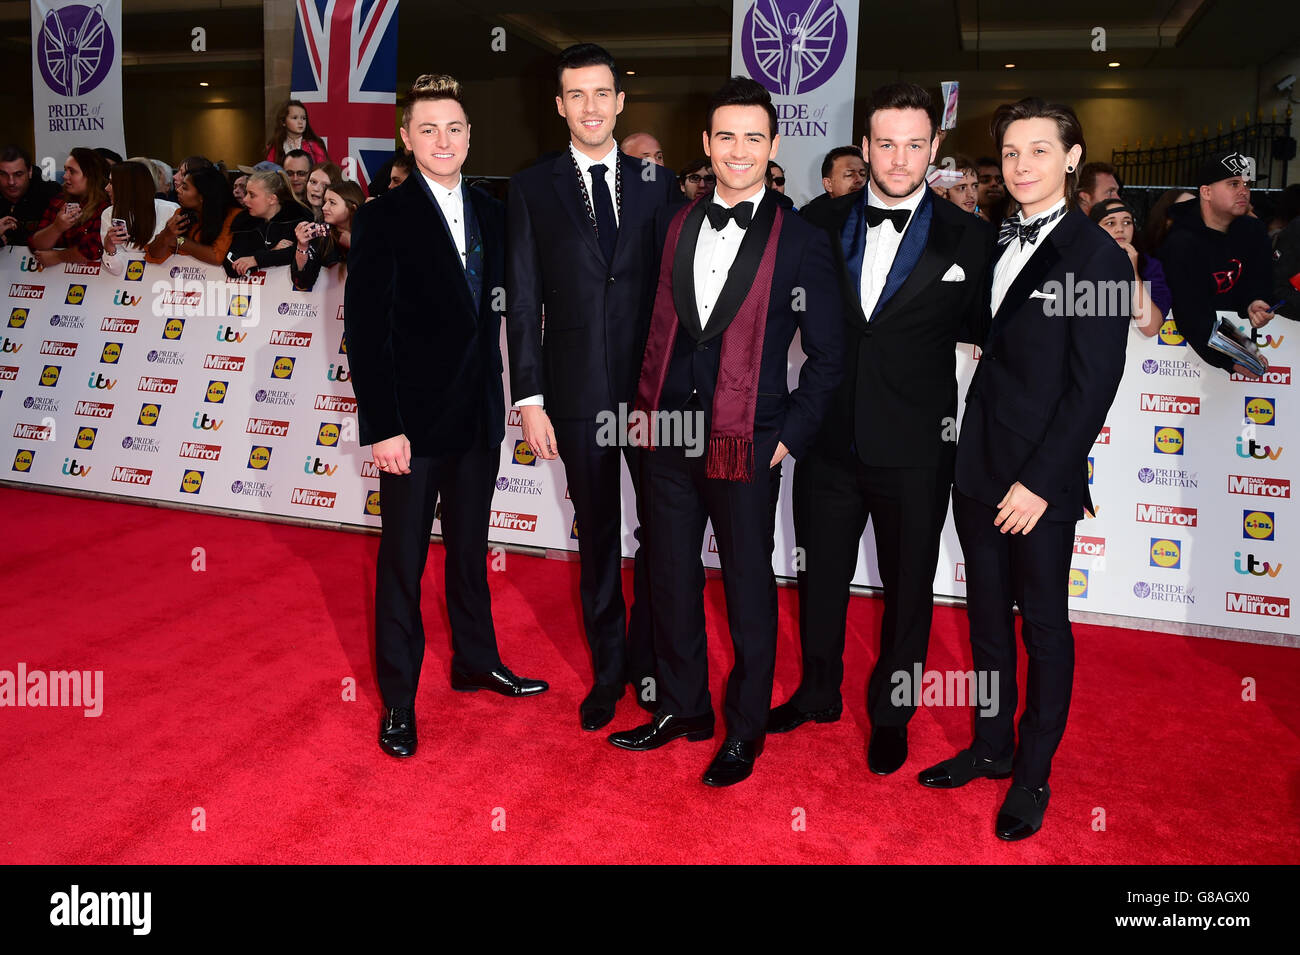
345, 71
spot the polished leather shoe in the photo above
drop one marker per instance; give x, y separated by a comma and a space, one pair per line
734, 762
887, 750
598, 707
664, 728
787, 716
1022, 811
960, 769
640, 689
498, 680
397, 731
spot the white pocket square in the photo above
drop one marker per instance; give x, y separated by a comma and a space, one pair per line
954, 274
1050, 296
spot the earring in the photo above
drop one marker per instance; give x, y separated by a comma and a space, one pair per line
1069, 169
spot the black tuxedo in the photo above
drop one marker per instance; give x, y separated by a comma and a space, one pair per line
682, 498
886, 450
586, 363
1036, 403
426, 362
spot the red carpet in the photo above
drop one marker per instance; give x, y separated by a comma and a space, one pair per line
223, 691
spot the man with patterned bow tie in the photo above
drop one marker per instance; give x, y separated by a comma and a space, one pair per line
579, 248
423, 329
911, 272
738, 275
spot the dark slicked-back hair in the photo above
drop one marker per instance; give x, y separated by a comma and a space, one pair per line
742, 91
902, 96
12, 152
585, 54
1068, 129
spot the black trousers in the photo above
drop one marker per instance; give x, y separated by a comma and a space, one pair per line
407, 502
833, 499
622, 646
681, 501
1033, 572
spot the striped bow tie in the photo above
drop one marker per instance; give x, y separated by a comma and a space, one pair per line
1013, 228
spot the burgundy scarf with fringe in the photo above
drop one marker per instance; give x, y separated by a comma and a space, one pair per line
731, 438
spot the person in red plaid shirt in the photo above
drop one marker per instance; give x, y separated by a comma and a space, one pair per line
69, 230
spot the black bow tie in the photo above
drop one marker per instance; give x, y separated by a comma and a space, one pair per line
718, 215
876, 215
1027, 232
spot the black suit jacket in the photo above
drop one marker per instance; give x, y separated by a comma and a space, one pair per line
1047, 378
804, 297
597, 313
424, 362
897, 405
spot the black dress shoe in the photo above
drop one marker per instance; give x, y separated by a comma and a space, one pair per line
1022, 811
598, 708
734, 762
397, 731
639, 690
498, 680
887, 750
664, 728
960, 769
787, 716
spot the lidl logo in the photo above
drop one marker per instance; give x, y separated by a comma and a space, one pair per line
239, 305
18, 318
86, 438
283, 367
111, 353
259, 458
1257, 525
191, 482
76, 293
1078, 582
328, 434
216, 393
524, 454
50, 375
173, 328
149, 412
1261, 410
1091, 467
23, 460
372, 503
135, 270
1169, 334
1166, 553
1169, 440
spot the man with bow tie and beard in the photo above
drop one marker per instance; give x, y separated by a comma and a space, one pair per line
911, 271
738, 275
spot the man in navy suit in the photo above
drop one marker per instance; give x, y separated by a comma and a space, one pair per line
579, 249
739, 275
423, 332
913, 275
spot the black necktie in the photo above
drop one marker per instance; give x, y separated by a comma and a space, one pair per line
876, 215
606, 224
1013, 228
719, 215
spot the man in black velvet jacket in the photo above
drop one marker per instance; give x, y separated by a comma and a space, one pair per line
423, 328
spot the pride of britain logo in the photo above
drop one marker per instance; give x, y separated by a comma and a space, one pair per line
793, 46
75, 49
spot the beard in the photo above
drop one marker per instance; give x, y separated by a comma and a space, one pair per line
890, 191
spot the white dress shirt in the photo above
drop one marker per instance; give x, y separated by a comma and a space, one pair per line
716, 251
1018, 253
452, 204
881, 246
585, 163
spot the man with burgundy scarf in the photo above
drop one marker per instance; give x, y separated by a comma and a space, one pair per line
738, 275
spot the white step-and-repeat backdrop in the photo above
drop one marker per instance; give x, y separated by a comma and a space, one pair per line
172, 383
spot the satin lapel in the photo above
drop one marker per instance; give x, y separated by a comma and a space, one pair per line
909, 251
744, 269
937, 257
441, 238
853, 244
565, 181
1035, 270
688, 312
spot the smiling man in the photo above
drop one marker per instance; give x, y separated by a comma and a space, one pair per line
579, 228
738, 275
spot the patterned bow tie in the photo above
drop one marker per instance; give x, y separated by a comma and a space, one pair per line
1013, 228
718, 215
876, 215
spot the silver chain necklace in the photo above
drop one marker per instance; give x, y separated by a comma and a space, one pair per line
586, 195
